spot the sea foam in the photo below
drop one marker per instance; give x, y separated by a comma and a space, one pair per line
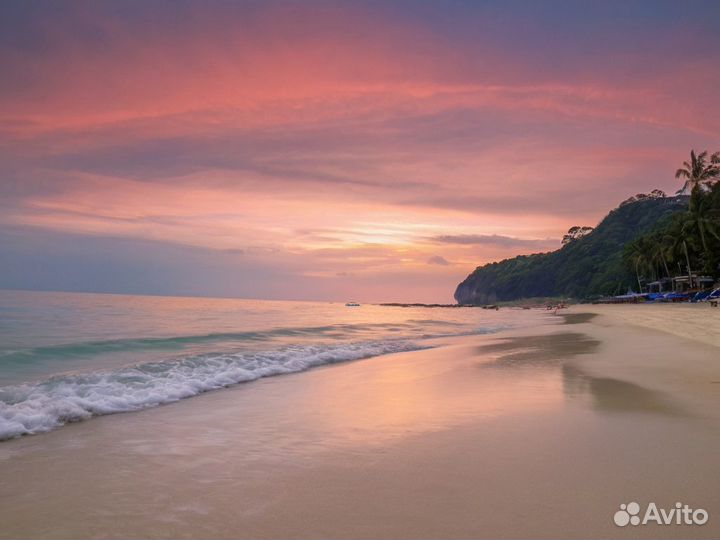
37, 407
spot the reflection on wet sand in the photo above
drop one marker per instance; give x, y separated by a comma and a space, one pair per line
560, 351
616, 396
577, 318
539, 351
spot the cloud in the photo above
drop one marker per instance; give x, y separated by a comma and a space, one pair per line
437, 259
493, 240
51, 260
322, 140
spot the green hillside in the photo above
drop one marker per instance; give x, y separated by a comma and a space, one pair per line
589, 266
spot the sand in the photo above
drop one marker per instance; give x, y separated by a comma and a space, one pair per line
698, 322
540, 432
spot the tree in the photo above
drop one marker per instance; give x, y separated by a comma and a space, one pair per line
690, 240
575, 233
640, 255
658, 250
656, 194
703, 223
699, 171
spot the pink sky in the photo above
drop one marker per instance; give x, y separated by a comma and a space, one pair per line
333, 151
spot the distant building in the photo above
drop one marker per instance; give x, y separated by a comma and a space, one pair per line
685, 283
661, 285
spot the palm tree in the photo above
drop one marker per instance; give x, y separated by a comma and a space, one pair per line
638, 254
703, 222
673, 239
658, 250
699, 170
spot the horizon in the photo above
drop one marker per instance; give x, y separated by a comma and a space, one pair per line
258, 298
180, 296
332, 152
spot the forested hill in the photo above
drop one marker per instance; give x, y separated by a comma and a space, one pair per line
589, 266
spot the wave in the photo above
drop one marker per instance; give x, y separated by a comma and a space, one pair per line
38, 407
92, 348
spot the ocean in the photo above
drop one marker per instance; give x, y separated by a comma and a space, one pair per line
65, 357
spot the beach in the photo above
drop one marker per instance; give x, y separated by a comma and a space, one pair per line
540, 431
359, 270
698, 322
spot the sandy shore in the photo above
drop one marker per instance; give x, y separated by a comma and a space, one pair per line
540, 432
698, 322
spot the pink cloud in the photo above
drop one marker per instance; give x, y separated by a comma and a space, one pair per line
238, 133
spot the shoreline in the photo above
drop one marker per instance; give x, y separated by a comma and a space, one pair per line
539, 431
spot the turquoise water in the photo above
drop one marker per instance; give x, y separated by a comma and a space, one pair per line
69, 356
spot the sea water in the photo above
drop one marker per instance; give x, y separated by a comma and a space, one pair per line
66, 357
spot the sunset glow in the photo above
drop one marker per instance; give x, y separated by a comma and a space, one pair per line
331, 150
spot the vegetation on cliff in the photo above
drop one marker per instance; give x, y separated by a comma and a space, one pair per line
688, 243
648, 236
591, 265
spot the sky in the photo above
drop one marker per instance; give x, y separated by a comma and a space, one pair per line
369, 151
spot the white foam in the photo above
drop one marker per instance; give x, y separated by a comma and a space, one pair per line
38, 407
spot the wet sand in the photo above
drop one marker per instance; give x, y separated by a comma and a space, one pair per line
540, 432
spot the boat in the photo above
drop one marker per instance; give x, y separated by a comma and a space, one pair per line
713, 298
700, 296
352, 304
676, 297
